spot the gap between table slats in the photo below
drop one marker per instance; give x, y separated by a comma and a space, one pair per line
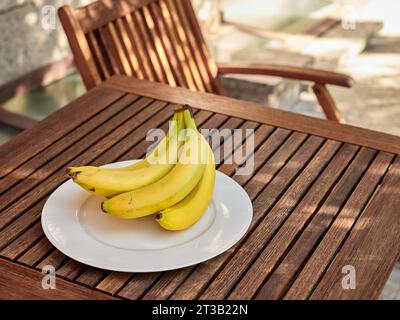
269, 223
282, 238
283, 275
363, 256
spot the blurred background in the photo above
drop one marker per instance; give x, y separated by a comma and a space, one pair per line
358, 37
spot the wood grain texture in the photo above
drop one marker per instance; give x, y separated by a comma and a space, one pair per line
371, 248
18, 282
270, 257
272, 180
318, 202
331, 241
292, 263
223, 283
83, 57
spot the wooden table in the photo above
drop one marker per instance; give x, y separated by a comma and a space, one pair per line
325, 196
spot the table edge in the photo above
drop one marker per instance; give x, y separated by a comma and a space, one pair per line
255, 112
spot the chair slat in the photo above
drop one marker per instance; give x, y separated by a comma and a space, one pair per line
77, 41
128, 48
137, 43
177, 46
159, 49
119, 52
98, 56
148, 39
209, 62
165, 39
193, 45
149, 45
106, 38
108, 71
184, 43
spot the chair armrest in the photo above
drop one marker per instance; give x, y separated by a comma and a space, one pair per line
298, 73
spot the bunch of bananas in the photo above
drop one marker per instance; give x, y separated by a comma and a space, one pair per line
175, 181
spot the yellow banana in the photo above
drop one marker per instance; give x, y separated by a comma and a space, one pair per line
109, 183
161, 147
170, 189
187, 212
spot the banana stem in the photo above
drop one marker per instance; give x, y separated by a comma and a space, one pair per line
189, 121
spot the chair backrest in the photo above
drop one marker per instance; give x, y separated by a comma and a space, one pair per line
156, 40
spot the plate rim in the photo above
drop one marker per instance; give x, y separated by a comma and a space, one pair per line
192, 262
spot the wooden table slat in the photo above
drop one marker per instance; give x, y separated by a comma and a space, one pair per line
372, 263
324, 195
223, 283
114, 282
328, 246
293, 225
91, 276
36, 252
282, 276
138, 285
18, 282
70, 269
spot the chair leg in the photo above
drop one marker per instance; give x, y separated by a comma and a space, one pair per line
15, 120
327, 103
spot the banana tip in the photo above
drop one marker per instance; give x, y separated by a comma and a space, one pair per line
102, 207
183, 107
73, 175
158, 216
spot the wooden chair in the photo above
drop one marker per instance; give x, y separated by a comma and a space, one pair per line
161, 40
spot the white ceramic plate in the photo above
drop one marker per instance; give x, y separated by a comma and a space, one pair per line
74, 223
